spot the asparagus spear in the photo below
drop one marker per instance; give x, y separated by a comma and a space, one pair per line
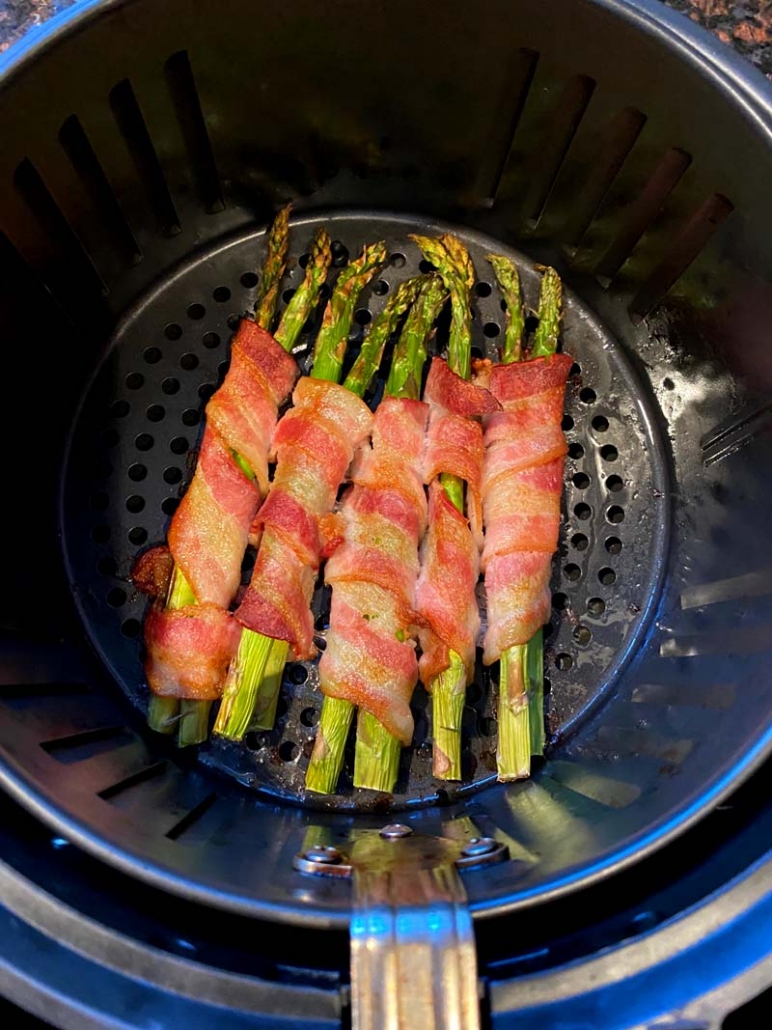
254, 679
521, 677
336, 715
194, 725
449, 688
165, 713
509, 283
376, 760
273, 269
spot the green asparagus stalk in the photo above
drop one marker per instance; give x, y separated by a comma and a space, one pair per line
332, 341
509, 283
409, 356
376, 759
545, 339
305, 297
254, 678
521, 677
273, 269
366, 365
165, 714
194, 721
534, 678
336, 715
455, 276
448, 690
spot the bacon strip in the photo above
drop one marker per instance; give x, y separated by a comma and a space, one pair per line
209, 531
313, 445
189, 650
370, 659
450, 556
522, 485
450, 566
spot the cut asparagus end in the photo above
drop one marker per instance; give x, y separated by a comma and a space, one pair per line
448, 694
264, 715
513, 755
332, 340
327, 756
534, 665
163, 713
509, 283
545, 339
194, 722
242, 685
376, 761
273, 269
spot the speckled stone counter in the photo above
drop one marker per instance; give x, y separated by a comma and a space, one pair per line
17, 16
745, 26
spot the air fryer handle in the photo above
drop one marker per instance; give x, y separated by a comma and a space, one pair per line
413, 957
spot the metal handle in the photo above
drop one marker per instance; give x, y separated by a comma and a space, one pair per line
413, 957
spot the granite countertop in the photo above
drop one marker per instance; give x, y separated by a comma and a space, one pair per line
745, 25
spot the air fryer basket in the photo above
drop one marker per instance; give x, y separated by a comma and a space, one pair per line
145, 146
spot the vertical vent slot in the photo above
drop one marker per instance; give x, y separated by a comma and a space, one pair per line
140, 146
73, 267
643, 211
184, 94
90, 172
150, 772
522, 69
686, 247
563, 126
625, 130
192, 817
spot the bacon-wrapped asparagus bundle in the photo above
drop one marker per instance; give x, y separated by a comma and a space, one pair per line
314, 444
522, 487
370, 659
450, 561
189, 643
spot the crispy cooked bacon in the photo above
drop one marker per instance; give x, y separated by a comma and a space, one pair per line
208, 534
189, 650
450, 565
450, 559
210, 529
522, 483
278, 598
370, 658
313, 445
152, 572
446, 391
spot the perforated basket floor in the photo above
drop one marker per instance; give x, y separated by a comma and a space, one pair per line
132, 453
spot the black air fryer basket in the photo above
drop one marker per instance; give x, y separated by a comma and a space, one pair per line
145, 148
